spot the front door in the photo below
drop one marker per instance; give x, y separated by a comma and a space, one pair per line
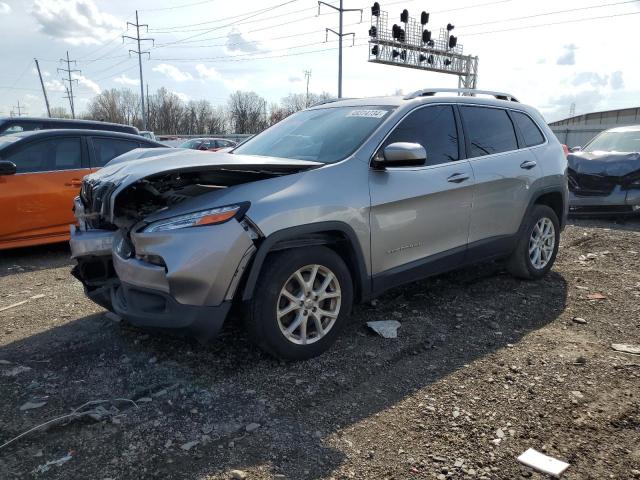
420, 215
37, 201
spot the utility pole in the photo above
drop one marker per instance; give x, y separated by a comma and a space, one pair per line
69, 71
140, 53
307, 74
148, 103
19, 108
339, 33
44, 91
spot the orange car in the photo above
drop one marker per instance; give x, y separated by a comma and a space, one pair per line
40, 175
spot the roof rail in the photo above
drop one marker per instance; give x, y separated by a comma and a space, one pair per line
328, 100
429, 92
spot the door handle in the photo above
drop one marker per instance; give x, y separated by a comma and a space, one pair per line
528, 165
458, 178
74, 182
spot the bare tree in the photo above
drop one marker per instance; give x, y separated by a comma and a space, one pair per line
60, 112
247, 112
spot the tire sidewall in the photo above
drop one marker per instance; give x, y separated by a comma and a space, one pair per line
280, 268
539, 212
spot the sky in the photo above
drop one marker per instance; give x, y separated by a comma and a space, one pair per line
206, 49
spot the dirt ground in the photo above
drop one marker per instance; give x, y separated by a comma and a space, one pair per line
485, 367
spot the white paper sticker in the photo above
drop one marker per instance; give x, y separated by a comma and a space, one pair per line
367, 113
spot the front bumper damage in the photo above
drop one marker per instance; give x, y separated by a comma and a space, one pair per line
180, 280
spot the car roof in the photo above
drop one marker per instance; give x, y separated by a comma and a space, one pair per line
627, 128
54, 132
62, 120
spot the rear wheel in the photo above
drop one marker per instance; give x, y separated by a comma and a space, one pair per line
538, 246
301, 301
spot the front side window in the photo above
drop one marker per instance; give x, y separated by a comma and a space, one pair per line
106, 149
625, 142
434, 128
489, 131
531, 134
49, 155
325, 135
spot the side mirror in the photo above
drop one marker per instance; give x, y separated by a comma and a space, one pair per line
402, 154
577, 148
7, 167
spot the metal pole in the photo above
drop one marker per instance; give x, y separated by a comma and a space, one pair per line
144, 116
44, 91
340, 54
73, 111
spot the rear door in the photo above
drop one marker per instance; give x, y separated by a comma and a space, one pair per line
37, 201
504, 172
105, 149
420, 215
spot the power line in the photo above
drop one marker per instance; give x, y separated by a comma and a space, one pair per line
69, 88
140, 52
176, 6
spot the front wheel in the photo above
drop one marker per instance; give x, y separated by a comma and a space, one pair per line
301, 302
538, 246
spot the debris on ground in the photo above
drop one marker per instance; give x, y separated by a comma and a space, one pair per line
14, 371
238, 475
17, 304
385, 328
596, 296
53, 463
32, 405
579, 320
626, 348
543, 463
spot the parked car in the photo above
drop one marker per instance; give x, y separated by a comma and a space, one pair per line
332, 205
209, 144
604, 176
41, 173
11, 125
148, 134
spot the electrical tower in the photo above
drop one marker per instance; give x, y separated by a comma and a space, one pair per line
140, 53
307, 75
18, 108
572, 109
340, 34
414, 47
70, 80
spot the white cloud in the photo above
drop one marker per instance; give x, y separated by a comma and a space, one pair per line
295, 78
5, 9
617, 82
208, 73
54, 86
172, 72
568, 57
77, 22
592, 78
237, 42
124, 80
45, 74
90, 84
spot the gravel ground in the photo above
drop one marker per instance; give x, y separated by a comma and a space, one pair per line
485, 366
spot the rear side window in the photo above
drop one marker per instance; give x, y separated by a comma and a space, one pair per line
20, 127
106, 149
434, 128
531, 134
49, 155
489, 131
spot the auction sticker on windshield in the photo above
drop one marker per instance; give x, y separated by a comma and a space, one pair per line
367, 113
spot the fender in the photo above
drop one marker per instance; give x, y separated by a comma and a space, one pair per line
539, 193
361, 278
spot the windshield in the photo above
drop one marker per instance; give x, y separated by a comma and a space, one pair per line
325, 135
615, 142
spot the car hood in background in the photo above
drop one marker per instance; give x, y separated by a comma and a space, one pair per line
605, 164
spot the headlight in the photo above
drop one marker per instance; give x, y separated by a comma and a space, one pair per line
212, 216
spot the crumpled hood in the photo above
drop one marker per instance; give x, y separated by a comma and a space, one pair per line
604, 164
153, 161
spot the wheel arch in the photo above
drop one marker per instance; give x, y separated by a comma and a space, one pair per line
338, 236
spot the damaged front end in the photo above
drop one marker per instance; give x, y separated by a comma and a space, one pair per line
137, 258
604, 183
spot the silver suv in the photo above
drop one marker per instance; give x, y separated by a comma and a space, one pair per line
332, 205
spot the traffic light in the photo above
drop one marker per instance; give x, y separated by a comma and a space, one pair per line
424, 18
450, 27
426, 36
373, 31
375, 9
404, 16
453, 41
375, 50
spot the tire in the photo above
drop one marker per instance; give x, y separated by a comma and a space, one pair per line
520, 264
269, 330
